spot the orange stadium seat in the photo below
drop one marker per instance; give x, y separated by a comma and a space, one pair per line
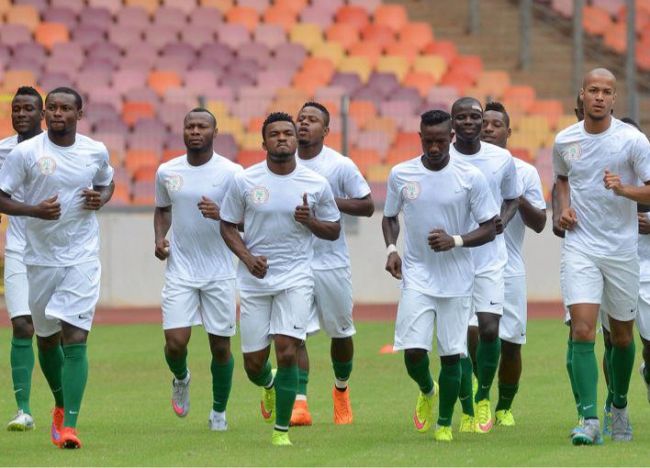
249, 157
135, 159
354, 15
146, 173
402, 49
162, 80
549, 108
149, 5
321, 67
5, 6
344, 33
246, 16
378, 33
308, 82
6, 127
446, 49
595, 20
417, 34
222, 5
493, 83
255, 125
27, 15
14, 79
294, 5
364, 158
49, 34
378, 172
361, 111
522, 153
132, 111
121, 194
280, 15
391, 15
382, 124
400, 153
334, 140
616, 38
518, 99
368, 50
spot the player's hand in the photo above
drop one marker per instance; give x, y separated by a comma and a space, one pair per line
568, 219
613, 182
162, 249
302, 214
394, 265
209, 209
557, 230
440, 241
498, 224
49, 209
92, 199
644, 223
257, 266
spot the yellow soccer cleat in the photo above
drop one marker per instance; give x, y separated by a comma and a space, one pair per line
424, 410
280, 439
484, 416
443, 434
504, 418
467, 423
267, 405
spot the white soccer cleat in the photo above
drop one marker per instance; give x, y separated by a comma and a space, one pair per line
21, 422
181, 396
217, 421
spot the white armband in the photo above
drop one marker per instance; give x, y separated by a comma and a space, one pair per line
391, 249
458, 241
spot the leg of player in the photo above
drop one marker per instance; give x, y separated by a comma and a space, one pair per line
22, 365
176, 340
449, 382
342, 352
286, 385
472, 345
50, 358
466, 396
259, 371
300, 416
574, 387
509, 375
607, 372
487, 357
417, 366
645, 365
221, 367
622, 364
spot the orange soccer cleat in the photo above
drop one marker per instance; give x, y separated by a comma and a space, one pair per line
342, 406
69, 439
300, 416
57, 425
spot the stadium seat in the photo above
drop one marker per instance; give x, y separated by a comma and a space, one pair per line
393, 64
63, 16
331, 51
417, 34
378, 172
246, 16
12, 34
133, 111
343, 33
381, 34
308, 35
271, 35
135, 159
26, 15
249, 157
149, 5
369, 5
111, 5
445, 49
221, 5
595, 20
355, 15
364, 158
371, 51
204, 17
392, 15
518, 99
362, 111
433, 65
281, 16
133, 16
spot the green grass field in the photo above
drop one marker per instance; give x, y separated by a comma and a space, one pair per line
126, 417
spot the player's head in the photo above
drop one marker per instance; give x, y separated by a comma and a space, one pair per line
199, 130
579, 109
27, 111
632, 122
598, 93
467, 119
63, 108
496, 124
279, 136
435, 135
313, 124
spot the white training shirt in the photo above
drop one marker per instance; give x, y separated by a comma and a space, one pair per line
197, 251
531, 189
607, 223
266, 202
644, 254
449, 199
42, 169
345, 181
498, 167
15, 244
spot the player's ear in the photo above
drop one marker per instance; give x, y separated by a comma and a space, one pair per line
264, 145
80, 114
216, 132
326, 131
509, 132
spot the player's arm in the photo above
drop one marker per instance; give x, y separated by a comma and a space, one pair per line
440, 241
98, 196
162, 221
644, 222
564, 217
508, 210
356, 206
390, 228
639, 194
49, 209
328, 230
257, 265
533, 217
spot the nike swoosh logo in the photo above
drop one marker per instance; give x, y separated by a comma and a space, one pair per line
494, 303
19, 390
587, 407
265, 414
418, 424
73, 412
297, 328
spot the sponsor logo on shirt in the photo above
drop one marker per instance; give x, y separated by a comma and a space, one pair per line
174, 183
572, 152
46, 165
259, 195
411, 190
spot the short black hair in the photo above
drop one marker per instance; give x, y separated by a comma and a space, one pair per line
579, 102
204, 110
276, 117
321, 108
29, 91
434, 117
465, 100
498, 107
65, 90
631, 121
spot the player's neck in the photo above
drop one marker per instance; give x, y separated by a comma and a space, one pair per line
29, 134
62, 138
310, 151
468, 146
596, 126
199, 157
435, 165
281, 167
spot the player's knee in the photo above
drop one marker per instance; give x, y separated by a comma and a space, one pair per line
253, 367
510, 351
175, 347
413, 356
621, 340
489, 332
23, 328
221, 351
46, 343
450, 360
582, 331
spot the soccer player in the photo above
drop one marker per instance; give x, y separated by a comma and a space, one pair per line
532, 214
498, 167
331, 263
26, 118
200, 274
440, 197
283, 205
63, 177
597, 163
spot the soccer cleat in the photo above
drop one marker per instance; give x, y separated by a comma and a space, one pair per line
21, 422
621, 427
342, 406
300, 415
424, 410
467, 423
647, 385
504, 418
280, 438
484, 416
588, 434
443, 434
69, 439
581, 422
181, 395
607, 421
267, 405
57, 425
217, 421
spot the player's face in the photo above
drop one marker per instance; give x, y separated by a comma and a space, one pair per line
467, 122
435, 141
280, 140
26, 114
311, 126
61, 113
598, 96
198, 131
495, 130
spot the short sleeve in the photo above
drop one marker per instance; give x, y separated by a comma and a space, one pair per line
354, 185
533, 189
509, 185
641, 158
325, 208
482, 204
393, 203
162, 195
559, 165
234, 203
104, 175
13, 172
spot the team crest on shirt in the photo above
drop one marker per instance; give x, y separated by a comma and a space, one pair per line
411, 190
259, 195
46, 165
572, 152
174, 183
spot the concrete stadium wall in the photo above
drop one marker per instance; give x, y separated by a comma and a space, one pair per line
132, 276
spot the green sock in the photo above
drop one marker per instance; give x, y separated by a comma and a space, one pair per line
51, 362
487, 357
178, 366
303, 380
74, 377
286, 385
465, 392
420, 373
569, 368
607, 356
22, 365
221, 383
264, 378
646, 373
507, 393
585, 373
342, 370
622, 364
449, 381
